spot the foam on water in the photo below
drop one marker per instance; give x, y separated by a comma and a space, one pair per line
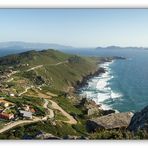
99, 88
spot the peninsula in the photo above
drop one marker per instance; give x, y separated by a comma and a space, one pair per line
38, 99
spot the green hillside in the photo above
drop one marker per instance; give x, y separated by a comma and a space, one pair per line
51, 68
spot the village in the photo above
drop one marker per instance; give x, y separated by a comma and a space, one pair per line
11, 112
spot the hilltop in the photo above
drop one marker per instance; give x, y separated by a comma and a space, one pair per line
51, 68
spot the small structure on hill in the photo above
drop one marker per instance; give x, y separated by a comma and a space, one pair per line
26, 114
6, 116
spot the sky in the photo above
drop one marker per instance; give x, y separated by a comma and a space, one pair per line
76, 27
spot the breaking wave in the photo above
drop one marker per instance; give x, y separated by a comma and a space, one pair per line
99, 88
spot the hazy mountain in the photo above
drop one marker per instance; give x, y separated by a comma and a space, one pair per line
29, 45
13, 47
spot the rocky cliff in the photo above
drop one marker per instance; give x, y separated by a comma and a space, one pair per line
139, 121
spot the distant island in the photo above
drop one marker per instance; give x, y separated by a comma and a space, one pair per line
20, 46
119, 47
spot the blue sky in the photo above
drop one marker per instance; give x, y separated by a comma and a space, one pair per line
76, 27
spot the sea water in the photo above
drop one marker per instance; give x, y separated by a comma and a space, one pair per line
124, 86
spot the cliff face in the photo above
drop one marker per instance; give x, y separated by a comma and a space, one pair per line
139, 121
83, 81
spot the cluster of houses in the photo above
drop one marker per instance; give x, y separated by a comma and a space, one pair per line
4, 106
23, 112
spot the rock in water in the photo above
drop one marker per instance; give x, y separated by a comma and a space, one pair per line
139, 121
111, 121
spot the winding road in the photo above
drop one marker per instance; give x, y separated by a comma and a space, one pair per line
71, 120
34, 120
57, 107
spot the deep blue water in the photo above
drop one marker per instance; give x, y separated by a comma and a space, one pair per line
125, 88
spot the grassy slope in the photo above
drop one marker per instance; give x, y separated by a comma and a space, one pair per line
56, 76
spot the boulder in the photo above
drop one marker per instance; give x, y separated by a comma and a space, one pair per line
111, 121
139, 121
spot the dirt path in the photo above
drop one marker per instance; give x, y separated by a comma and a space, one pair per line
14, 72
36, 67
25, 91
51, 113
59, 63
39, 66
20, 122
56, 106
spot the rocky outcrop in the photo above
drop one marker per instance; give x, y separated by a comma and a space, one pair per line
93, 109
46, 136
111, 121
83, 81
70, 137
139, 121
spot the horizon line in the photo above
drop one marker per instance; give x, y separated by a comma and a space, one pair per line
60, 44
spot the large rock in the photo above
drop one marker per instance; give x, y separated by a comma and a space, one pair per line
139, 121
111, 121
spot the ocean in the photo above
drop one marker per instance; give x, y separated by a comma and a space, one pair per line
124, 87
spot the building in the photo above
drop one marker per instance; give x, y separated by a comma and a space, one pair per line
32, 110
25, 114
5, 103
26, 108
12, 95
6, 116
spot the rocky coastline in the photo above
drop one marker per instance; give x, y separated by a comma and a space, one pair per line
100, 70
98, 116
84, 81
